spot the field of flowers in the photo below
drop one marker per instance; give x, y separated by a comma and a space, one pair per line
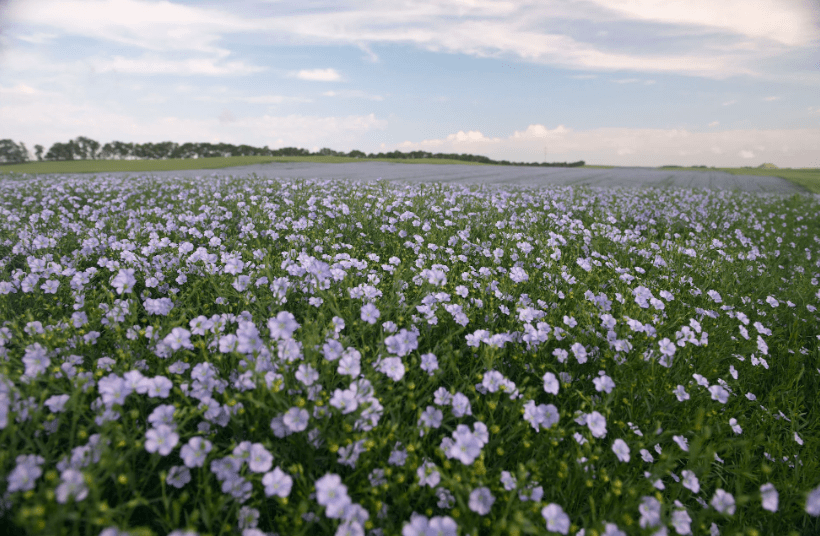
249, 356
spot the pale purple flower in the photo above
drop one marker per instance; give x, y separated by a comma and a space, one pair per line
56, 403
350, 364
193, 453
161, 439
557, 520
278, 483
393, 368
428, 474
481, 501
306, 374
178, 476
36, 360
430, 417
579, 352
50, 286
550, 383
159, 386
597, 424
283, 326
604, 383
461, 405
690, 481
723, 502
72, 484
813, 500
429, 363
769, 497
179, 338
296, 419
466, 446
370, 313
124, 281
719, 393
681, 393
332, 494
621, 450
681, 522
344, 400
667, 347
260, 460
650, 510
682, 442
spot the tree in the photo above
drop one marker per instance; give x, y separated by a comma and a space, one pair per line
87, 148
13, 153
355, 153
63, 151
38, 152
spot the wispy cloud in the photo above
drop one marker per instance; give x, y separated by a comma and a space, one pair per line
317, 75
621, 146
353, 94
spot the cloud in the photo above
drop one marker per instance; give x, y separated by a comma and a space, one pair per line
317, 75
788, 22
771, 98
62, 120
226, 117
714, 123
353, 94
630, 147
156, 64
535, 32
729, 103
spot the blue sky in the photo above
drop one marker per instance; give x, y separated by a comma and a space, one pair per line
619, 82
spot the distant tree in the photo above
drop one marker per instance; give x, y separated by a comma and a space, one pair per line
355, 153
13, 153
38, 152
87, 149
117, 150
63, 151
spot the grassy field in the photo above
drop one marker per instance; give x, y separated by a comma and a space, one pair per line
807, 178
102, 166
252, 356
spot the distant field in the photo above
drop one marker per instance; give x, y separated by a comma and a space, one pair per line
102, 166
807, 178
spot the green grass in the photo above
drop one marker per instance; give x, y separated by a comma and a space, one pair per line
104, 166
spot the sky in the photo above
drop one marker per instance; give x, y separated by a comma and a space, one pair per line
726, 83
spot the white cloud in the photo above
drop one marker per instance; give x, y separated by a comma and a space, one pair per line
630, 147
530, 31
729, 103
37, 38
714, 123
62, 121
317, 75
472, 136
771, 98
790, 22
156, 64
353, 94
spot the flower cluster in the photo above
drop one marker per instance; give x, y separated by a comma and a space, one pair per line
328, 357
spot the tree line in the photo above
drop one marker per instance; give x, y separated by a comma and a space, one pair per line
82, 148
